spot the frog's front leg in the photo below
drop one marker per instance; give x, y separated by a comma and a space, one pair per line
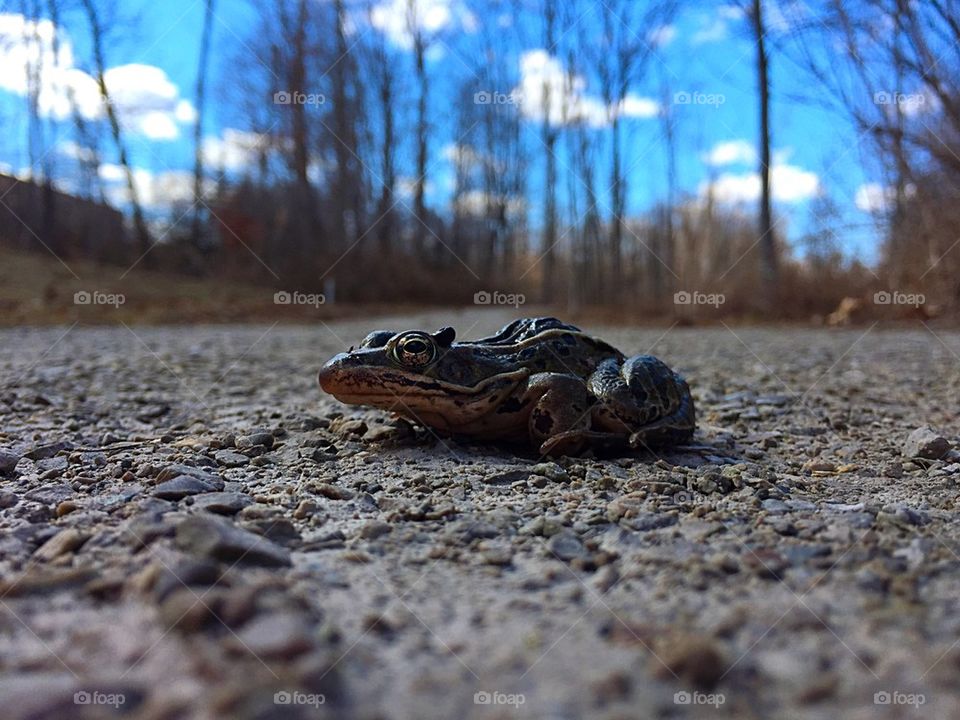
560, 419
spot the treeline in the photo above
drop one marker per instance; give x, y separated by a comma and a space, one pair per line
355, 119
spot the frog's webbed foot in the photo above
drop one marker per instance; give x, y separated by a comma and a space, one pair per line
574, 442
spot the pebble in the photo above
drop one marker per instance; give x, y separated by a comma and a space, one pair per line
374, 529
254, 439
222, 503
926, 443
181, 487
566, 545
281, 635
8, 499
230, 459
65, 541
8, 462
209, 536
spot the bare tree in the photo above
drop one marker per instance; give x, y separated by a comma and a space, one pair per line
96, 36
768, 246
200, 106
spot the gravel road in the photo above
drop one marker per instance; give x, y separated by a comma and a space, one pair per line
188, 528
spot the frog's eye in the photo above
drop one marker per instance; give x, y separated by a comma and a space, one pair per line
415, 349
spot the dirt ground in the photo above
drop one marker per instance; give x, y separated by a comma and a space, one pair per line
189, 528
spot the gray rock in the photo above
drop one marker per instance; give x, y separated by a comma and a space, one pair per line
176, 470
229, 458
644, 521
209, 536
566, 545
42, 452
181, 487
281, 635
375, 529
8, 462
51, 494
253, 439
926, 443
223, 503
774, 507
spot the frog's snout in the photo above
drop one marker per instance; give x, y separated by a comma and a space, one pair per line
327, 377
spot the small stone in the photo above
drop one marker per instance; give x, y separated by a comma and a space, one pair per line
280, 635
181, 487
496, 553
893, 470
212, 537
229, 458
176, 470
644, 521
8, 462
8, 499
66, 507
694, 658
552, 471
374, 529
926, 443
774, 507
305, 509
223, 503
331, 491
566, 545
898, 513
263, 438
42, 452
65, 541
50, 494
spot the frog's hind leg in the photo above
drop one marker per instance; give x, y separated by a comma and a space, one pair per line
644, 400
560, 419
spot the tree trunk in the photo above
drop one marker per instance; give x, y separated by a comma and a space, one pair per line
96, 34
200, 102
768, 245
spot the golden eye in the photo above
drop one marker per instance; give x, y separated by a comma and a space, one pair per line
416, 350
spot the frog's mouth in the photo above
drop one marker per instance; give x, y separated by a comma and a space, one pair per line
413, 394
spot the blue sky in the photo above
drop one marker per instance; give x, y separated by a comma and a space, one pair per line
706, 50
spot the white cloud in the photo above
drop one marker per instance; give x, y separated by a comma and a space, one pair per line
146, 100
76, 151
731, 152
711, 31
396, 18
662, 36
790, 184
475, 202
235, 149
546, 90
156, 191
876, 199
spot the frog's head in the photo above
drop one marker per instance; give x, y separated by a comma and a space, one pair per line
422, 374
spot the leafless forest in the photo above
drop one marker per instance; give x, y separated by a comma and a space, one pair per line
345, 143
